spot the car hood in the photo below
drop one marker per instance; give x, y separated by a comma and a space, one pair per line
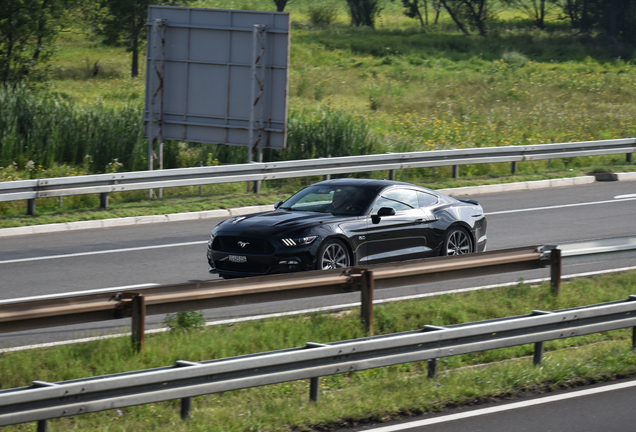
266, 224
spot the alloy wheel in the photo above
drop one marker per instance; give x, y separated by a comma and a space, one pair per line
334, 256
458, 243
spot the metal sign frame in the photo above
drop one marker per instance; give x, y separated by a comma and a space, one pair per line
217, 76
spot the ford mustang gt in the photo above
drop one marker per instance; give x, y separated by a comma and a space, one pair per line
345, 222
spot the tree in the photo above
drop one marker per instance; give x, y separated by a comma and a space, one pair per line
280, 5
126, 25
412, 10
473, 12
28, 31
535, 9
364, 12
615, 19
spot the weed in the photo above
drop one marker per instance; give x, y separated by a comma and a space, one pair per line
185, 321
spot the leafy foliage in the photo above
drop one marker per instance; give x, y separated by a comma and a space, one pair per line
125, 25
364, 12
28, 31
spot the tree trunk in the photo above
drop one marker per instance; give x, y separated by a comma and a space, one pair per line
455, 19
40, 31
613, 24
426, 11
438, 9
419, 14
135, 57
280, 5
356, 19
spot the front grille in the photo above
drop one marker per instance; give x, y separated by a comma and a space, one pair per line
242, 267
252, 246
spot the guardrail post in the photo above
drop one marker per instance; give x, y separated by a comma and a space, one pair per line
186, 408
327, 176
432, 367
258, 183
391, 174
103, 200
186, 402
455, 171
31, 207
43, 426
314, 389
538, 353
628, 157
555, 271
366, 300
138, 305
514, 167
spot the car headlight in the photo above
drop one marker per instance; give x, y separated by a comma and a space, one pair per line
213, 233
298, 241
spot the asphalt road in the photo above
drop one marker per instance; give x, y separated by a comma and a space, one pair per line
604, 407
172, 253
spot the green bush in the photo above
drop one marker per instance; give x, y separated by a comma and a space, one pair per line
185, 320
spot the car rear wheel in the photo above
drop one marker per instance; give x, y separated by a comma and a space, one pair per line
332, 254
457, 242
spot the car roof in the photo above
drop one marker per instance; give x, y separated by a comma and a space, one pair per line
368, 183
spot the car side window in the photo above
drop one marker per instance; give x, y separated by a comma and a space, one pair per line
397, 199
426, 199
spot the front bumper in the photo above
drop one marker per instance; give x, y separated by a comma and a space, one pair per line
282, 261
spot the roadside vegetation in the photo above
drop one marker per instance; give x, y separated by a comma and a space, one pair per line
376, 395
404, 86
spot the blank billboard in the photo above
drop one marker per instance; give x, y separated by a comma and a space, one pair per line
208, 79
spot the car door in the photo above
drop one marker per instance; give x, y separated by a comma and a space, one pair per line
401, 236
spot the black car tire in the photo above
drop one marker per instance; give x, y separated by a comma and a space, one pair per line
332, 254
457, 242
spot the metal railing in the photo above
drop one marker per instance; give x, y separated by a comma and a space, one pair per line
44, 400
35, 314
65, 310
139, 180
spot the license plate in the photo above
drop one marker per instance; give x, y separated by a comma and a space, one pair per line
238, 258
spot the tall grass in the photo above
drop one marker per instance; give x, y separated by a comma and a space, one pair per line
48, 130
42, 129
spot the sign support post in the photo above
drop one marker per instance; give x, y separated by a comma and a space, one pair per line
155, 125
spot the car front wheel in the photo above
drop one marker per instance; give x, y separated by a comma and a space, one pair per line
457, 242
332, 254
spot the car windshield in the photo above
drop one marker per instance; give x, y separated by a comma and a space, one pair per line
337, 200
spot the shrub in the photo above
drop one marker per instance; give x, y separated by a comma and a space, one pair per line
185, 320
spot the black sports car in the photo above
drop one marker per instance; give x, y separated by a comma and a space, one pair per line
338, 223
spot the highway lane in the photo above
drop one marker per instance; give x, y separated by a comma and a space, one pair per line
182, 257
602, 407
170, 253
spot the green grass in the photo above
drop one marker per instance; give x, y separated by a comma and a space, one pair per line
373, 395
352, 91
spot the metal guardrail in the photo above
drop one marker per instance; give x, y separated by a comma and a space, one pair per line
140, 180
43, 400
27, 315
136, 304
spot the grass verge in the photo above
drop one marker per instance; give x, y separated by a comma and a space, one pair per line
367, 396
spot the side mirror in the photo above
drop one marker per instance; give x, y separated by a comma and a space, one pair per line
384, 211
278, 204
